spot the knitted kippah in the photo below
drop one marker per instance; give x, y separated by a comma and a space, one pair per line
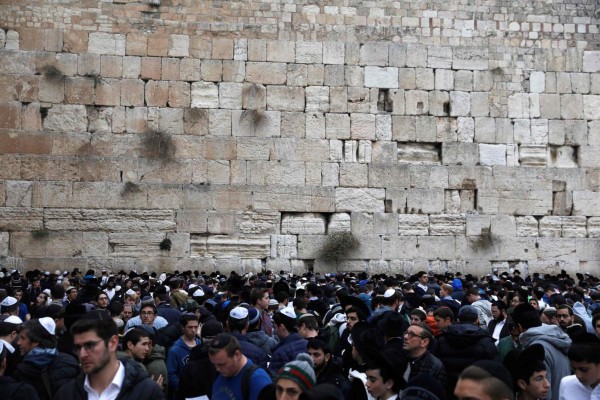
300, 371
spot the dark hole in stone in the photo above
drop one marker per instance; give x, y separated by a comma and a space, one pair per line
446, 107
43, 113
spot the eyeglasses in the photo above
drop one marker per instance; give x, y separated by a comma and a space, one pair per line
411, 335
147, 313
88, 346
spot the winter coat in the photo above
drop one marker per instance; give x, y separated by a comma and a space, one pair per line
168, 312
61, 368
286, 351
198, 375
136, 385
257, 355
462, 345
484, 308
17, 390
156, 365
556, 344
262, 340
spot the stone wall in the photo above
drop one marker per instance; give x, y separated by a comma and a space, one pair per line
444, 135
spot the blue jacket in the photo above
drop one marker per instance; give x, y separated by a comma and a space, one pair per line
257, 355
286, 351
176, 360
171, 314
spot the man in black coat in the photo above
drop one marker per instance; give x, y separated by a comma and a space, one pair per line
326, 368
96, 342
463, 344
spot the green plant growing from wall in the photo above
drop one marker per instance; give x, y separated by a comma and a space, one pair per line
166, 244
159, 145
337, 245
130, 188
52, 72
41, 233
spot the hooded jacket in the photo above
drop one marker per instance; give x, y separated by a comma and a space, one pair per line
61, 369
286, 351
176, 360
556, 344
484, 308
262, 340
156, 365
198, 375
136, 385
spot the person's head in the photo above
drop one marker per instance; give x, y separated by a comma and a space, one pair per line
417, 339
525, 317
499, 310
529, 372
445, 290
476, 382
9, 328
189, 323
259, 298
417, 316
95, 340
320, 352
444, 317
564, 314
548, 316
226, 355
353, 315
71, 293
382, 380
127, 312
148, 313
238, 319
307, 326
535, 303
596, 324
102, 300
472, 295
42, 299
294, 378
18, 294
423, 277
57, 292
585, 361
37, 333
285, 322
136, 342
468, 315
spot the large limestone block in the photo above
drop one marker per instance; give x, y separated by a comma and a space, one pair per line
356, 199
340, 222
333, 53
363, 126
574, 227
417, 102
230, 95
303, 224
460, 153
589, 156
571, 106
195, 221
418, 153
477, 225
533, 155
284, 246
66, 118
381, 77
399, 247
223, 246
106, 43
425, 201
460, 104
439, 57
374, 53
60, 244
591, 61
437, 247
21, 219
525, 202
284, 98
317, 99
593, 227
388, 176
309, 52
470, 58
110, 220
439, 102
537, 82
550, 226
413, 225
591, 107
524, 105
492, 154
205, 95
251, 222
527, 226
266, 73
447, 224
586, 203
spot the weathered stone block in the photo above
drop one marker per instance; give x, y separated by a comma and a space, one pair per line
413, 225
425, 201
309, 52
66, 118
374, 53
317, 99
353, 175
266, 73
251, 222
21, 219
447, 224
285, 98
205, 95
339, 222
381, 77
284, 246
470, 58
460, 153
417, 102
527, 226
363, 126
355, 199
460, 104
571, 106
492, 154
303, 224
222, 246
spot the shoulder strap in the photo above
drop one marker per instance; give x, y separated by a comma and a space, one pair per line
46, 381
246, 380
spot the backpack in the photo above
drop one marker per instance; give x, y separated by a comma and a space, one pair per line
268, 391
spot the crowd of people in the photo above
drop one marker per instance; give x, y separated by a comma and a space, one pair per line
191, 335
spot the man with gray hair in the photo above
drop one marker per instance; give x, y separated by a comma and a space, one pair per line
43, 367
